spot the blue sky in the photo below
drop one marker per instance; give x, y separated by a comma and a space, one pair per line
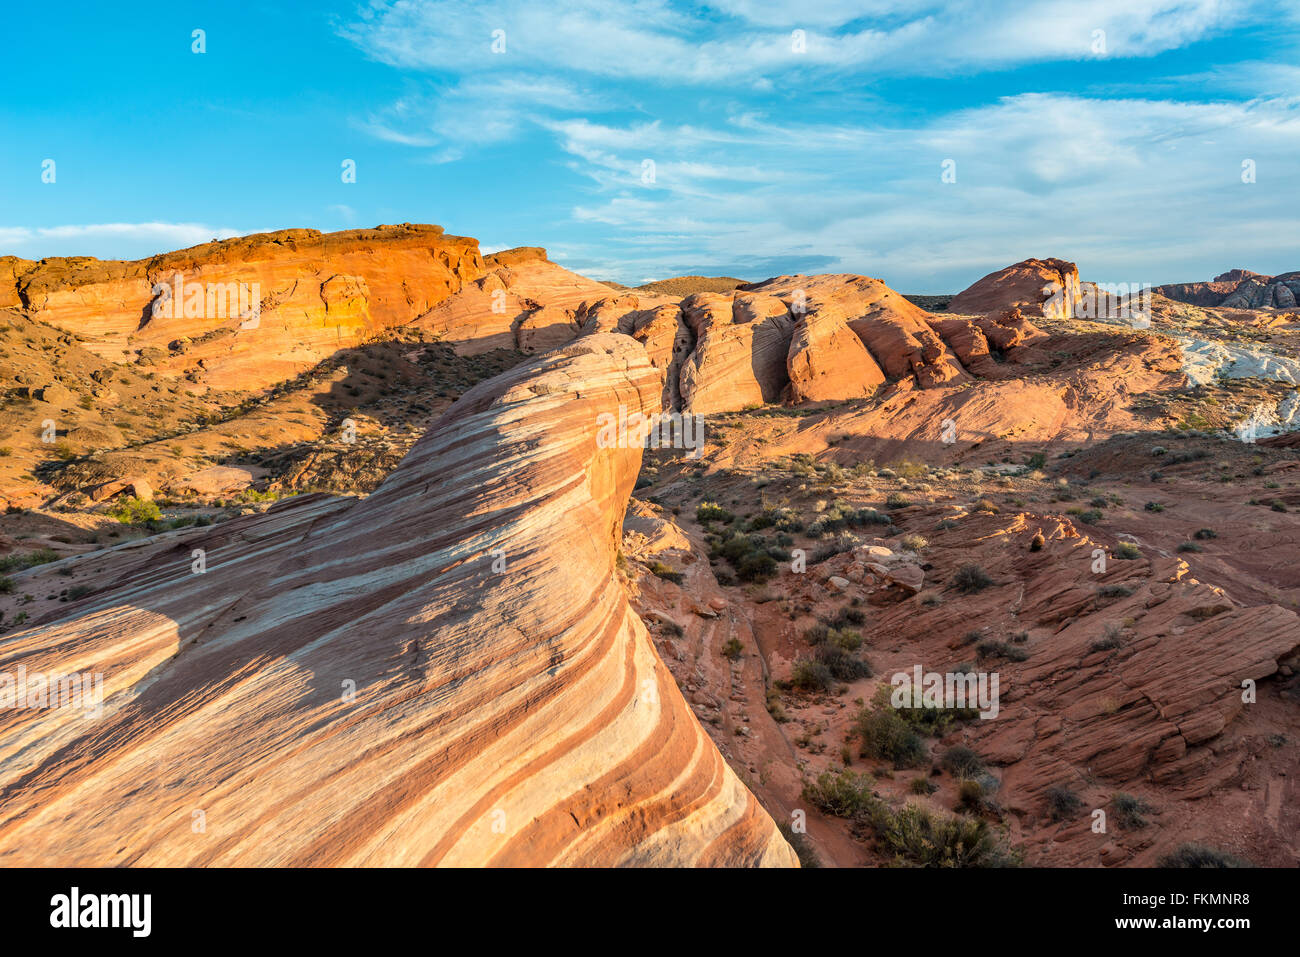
1121, 150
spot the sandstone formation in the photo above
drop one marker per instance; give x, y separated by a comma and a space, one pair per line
316, 293
1037, 287
447, 672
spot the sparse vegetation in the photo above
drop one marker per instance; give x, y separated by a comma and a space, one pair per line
842, 793
971, 578
666, 572
135, 511
1192, 855
1127, 550
1062, 803
1128, 811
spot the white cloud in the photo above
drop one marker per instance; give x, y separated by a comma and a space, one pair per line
1105, 182
671, 44
107, 240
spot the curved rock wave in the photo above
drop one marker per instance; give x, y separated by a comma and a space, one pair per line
445, 673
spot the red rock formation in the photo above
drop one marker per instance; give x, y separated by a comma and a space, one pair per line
317, 292
447, 672
1037, 287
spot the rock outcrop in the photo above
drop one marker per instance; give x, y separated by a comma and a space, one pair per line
315, 293
1037, 287
1238, 289
445, 673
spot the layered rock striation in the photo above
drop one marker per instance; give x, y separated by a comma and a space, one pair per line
445, 673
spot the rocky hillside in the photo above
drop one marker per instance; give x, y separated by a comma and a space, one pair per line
440, 614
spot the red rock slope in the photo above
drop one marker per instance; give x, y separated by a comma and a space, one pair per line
317, 292
357, 684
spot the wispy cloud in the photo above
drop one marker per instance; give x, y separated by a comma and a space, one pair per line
105, 240
672, 43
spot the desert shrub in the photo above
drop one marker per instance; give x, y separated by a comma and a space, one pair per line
849, 616
991, 648
913, 543
1062, 803
1127, 550
811, 675
919, 838
1092, 516
1111, 638
16, 563
1113, 591
802, 847
970, 795
922, 786
971, 578
135, 511
841, 663
884, 735
666, 572
961, 761
1037, 542
841, 793
837, 547
1036, 461
1200, 856
6, 585
1204, 533
1154, 507
1189, 547
733, 649
756, 567
986, 505
79, 591
897, 500
1129, 810
672, 628
711, 512
869, 516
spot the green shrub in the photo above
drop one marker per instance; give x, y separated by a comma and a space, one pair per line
1200, 856
841, 793
810, 675
16, 563
884, 735
733, 649
916, 837
711, 512
135, 511
842, 664
666, 572
1127, 550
